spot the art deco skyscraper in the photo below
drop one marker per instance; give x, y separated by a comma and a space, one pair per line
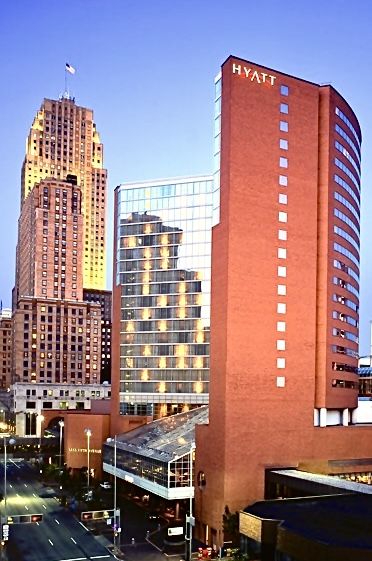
63, 140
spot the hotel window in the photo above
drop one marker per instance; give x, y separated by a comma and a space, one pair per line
284, 108
280, 326
280, 362
280, 345
282, 199
283, 180
282, 217
282, 234
284, 90
283, 162
281, 308
282, 253
283, 144
283, 126
282, 271
282, 290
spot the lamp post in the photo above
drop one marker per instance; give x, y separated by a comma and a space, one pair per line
11, 441
61, 425
88, 432
41, 419
190, 518
116, 518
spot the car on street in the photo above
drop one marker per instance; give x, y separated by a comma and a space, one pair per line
105, 485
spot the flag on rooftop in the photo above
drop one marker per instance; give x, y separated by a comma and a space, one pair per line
70, 68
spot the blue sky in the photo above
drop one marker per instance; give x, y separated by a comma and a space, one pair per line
146, 67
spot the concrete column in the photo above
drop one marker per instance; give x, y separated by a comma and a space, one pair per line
323, 417
345, 417
20, 424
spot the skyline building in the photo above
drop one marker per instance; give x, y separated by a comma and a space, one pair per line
57, 336
161, 296
63, 140
6, 347
285, 292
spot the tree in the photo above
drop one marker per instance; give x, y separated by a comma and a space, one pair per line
230, 523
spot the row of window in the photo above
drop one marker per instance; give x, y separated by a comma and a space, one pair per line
347, 237
348, 156
346, 170
346, 269
347, 221
281, 307
345, 334
346, 285
346, 137
347, 205
349, 124
341, 249
347, 188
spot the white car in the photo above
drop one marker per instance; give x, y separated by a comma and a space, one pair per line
106, 485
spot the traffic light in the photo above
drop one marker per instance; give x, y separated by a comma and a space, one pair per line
36, 518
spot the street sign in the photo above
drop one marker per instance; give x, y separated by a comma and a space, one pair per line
5, 532
178, 531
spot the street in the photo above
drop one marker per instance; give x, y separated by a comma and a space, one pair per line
60, 536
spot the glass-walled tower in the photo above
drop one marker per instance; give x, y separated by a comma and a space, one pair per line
162, 286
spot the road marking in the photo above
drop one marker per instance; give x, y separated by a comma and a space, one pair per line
25, 484
10, 485
99, 556
17, 494
26, 507
44, 506
56, 520
50, 541
37, 523
81, 524
14, 463
72, 539
74, 559
33, 494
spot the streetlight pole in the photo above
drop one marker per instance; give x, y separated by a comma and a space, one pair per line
5, 521
61, 425
88, 432
41, 419
115, 503
190, 519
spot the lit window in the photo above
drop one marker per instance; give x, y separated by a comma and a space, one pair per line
282, 217
284, 90
282, 253
282, 235
282, 271
283, 198
280, 326
280, 362
283, 144
284, 108
283, 126
283, 162
281, 308
280, 381
280, 345
282, 289
283, 180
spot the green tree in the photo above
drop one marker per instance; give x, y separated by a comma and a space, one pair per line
230, 523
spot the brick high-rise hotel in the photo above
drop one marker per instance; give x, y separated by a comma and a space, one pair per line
285, 287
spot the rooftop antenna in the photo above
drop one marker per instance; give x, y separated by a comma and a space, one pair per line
68, 70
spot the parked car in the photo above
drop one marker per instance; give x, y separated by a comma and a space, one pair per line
153, 515
106, 485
